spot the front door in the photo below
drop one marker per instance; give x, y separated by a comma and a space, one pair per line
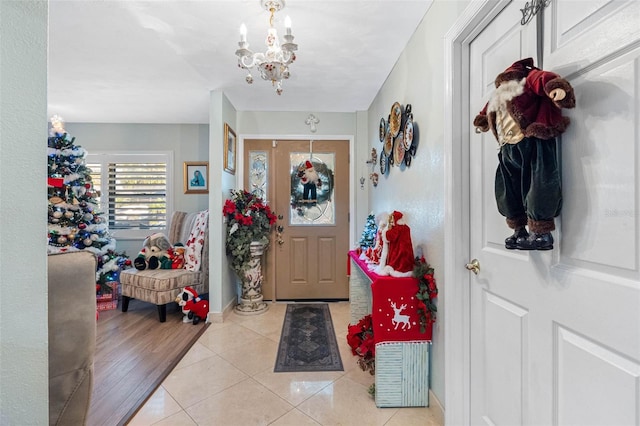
308, 187
555, 335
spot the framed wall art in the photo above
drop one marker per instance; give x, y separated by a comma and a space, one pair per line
229, 149
196, 177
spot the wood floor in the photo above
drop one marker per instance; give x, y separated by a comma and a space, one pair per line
134, 353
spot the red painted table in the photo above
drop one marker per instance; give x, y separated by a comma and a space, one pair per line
402, 351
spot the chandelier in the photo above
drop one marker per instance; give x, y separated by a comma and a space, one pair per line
273, 64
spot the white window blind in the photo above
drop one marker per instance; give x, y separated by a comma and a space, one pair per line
134, 191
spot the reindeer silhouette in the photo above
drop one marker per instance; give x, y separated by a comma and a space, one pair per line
398, 319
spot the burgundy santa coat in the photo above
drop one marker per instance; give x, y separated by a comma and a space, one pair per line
533, 110
400, 252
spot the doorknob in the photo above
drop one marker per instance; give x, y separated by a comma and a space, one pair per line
473, 266
279, 230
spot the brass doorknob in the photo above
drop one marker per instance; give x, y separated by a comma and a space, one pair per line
474, 266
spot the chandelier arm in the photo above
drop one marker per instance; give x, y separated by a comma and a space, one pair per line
247, 61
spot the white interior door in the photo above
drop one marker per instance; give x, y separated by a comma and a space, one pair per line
555, 336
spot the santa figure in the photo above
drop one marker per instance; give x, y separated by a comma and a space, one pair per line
524, 114
397, 257
372, 254
310, 181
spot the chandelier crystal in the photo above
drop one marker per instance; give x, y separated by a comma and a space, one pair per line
273, 64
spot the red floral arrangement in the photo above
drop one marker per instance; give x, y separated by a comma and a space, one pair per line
249, 219
427, 291
360, 339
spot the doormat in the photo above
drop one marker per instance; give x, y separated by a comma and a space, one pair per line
308, 342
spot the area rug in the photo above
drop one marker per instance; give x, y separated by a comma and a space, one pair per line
308, 342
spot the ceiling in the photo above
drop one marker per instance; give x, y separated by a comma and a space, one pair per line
156, 61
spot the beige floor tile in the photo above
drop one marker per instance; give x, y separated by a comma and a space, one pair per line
247, 403
227, 338
267, 323
227, 379
364, 378
179, 419
254, 357
159, 406
295, 418
297, 387
201, 380
413, 416
198, 352
345, 402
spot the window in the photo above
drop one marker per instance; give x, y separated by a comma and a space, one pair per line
134, 191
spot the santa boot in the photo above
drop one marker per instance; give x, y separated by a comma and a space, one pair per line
518, 226
540, 237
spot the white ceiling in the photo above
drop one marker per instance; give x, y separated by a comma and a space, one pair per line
155, 61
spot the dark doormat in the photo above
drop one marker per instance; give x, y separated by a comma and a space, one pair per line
308, 342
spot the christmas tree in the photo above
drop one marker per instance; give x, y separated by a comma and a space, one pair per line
75, 222
368, 238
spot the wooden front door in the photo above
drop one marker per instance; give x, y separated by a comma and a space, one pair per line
555, 335
307, 257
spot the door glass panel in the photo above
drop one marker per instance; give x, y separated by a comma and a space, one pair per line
258, 173
312, 185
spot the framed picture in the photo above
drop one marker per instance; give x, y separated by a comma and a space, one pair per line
196, 177
229, 149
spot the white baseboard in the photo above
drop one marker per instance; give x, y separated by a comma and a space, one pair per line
436, 408
219, 317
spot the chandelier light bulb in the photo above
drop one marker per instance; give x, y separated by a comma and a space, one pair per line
243, 32
287, 24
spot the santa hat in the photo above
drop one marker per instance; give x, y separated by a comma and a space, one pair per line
517, 71
397, 217
192, 292
308, 164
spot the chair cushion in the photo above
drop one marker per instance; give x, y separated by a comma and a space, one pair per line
159, 279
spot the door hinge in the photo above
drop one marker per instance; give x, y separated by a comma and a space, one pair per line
274, 143
349, 217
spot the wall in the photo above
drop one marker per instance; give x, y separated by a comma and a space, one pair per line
188, 142
222, 285
24, 376
418, 191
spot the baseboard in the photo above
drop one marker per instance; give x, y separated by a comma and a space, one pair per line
436, 408
219, 317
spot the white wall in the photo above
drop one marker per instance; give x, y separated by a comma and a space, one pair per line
418, 191
24, 376
222, 285
188, 142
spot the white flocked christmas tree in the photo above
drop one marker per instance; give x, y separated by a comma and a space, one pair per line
75, 222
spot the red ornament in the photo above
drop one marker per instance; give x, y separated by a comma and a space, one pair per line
87, 185
82, 225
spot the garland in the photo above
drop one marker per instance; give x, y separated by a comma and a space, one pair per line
427, 291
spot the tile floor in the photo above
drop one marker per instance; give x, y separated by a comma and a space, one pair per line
227, 379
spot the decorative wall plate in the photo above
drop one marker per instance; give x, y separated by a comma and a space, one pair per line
383, 163
398, 150
388, 144
395, 120
408, 132
383, 129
